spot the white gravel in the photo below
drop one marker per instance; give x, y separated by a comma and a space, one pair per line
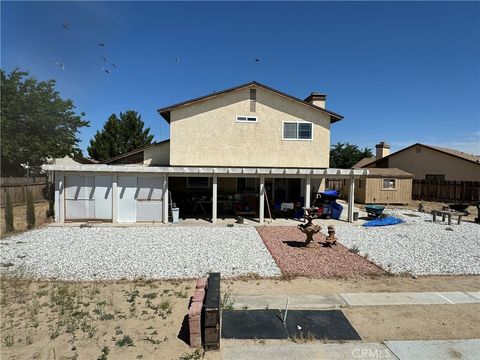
418, 246
95, 253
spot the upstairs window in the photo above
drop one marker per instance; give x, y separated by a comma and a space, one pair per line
246, 119
297, 131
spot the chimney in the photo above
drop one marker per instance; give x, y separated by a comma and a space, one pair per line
382, 149
317, 99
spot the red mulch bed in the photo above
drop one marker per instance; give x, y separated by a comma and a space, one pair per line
284, 243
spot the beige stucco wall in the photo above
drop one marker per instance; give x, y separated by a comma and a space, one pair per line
157, 155
430, 161
207, 134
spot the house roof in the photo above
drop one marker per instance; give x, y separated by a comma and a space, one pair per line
165, 111
392, 172
133, 152
364, 162
458, 154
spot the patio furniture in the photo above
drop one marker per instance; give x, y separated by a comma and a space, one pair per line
374, 210
448, 215
460, 208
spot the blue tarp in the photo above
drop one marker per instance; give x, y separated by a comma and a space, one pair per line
384, 222
330, 193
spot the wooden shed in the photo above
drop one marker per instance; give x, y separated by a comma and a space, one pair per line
383, 186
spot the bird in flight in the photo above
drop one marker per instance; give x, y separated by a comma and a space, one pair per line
106, 70
60, 65
65, 25
257, 60
103, 58
115, 66
101, 44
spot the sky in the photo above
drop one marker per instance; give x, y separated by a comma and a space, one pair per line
398, 72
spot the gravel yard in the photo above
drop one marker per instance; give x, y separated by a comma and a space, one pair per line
107, 253
283, 242
418, 246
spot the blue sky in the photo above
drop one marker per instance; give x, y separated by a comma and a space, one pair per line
398, 72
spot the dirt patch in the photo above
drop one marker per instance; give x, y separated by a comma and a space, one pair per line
415, 322
60, 320
431, 205
284, 244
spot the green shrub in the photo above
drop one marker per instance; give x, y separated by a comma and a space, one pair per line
8, 213
30, 211
49, 194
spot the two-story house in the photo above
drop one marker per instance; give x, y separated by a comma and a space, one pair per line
245, 150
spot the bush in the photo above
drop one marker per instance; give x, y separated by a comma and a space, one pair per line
49, 194
8, 213
30, 211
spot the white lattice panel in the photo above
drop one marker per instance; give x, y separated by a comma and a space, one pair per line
149, 210
149, 187
79, 187
79, 209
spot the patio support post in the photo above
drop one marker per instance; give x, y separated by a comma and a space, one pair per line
114, 198
165, 198
351, 199
261, 203
214, 198
61, 193
307, 191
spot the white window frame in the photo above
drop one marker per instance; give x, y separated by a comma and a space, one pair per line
295, 122
389, 180
246, 121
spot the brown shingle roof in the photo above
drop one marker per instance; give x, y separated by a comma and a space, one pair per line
461, 154
165, 111
393, 172
363, 163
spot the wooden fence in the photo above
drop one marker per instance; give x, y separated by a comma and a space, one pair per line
17, 188
334, 184
446, 191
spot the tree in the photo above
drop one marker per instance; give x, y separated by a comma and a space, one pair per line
345, 155
119, 135
30, 211
36, 123
9, 227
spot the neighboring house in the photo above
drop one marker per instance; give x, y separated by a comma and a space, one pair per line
156, 154
234, 152
426, 162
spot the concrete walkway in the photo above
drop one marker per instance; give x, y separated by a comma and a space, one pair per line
392, 350
329, 301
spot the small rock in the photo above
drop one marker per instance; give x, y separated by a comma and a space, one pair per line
8, 264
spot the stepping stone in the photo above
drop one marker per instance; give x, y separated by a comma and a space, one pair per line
344, 351
435, 349
307, 302
405, 298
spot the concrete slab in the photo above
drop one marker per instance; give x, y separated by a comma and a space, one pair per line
458, 297
475, 294
405, 298
344, 351
436, 349
297, 302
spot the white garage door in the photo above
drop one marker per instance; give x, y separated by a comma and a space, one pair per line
88, 197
